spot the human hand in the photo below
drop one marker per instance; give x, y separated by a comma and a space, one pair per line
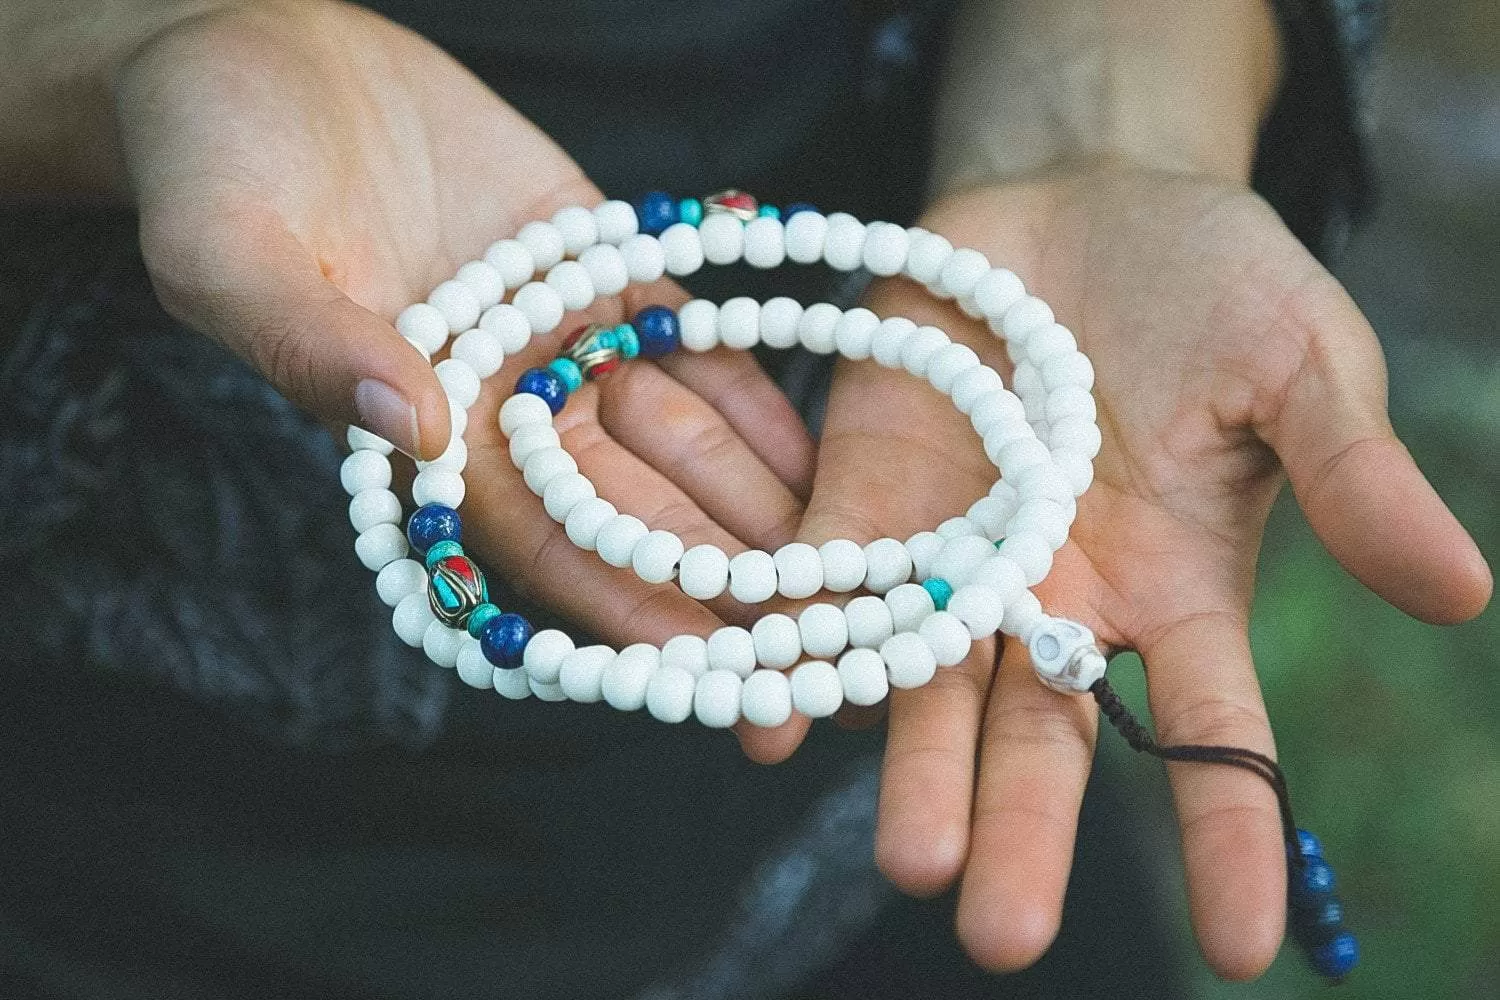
304, 171
1224, 355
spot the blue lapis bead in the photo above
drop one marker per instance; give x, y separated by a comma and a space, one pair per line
1319, 925
431, 524
1336, 958
546, 384
768, 212
1311, 884
503, 639
567, 369
940, 589
442, 550
798, 206
1309, 845
480, 617
658, 331
655, 212
690, 210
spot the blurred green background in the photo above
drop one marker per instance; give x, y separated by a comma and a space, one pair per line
1390, 729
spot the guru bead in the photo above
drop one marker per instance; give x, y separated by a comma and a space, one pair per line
657, 329
431, 524
504, 638
657, 211
455, 587
733, 202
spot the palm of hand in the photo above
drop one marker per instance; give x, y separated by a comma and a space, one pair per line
1220, 345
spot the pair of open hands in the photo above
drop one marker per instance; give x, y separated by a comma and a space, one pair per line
304, 173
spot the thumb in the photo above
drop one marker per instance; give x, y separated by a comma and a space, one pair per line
274, 307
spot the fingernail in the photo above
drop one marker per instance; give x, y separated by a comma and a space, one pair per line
384, 411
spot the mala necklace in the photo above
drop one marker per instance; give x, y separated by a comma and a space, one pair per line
929, 598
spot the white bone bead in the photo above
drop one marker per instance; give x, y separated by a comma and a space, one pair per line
948, 363
1003, 575
1020, 455
816, 327
376, 506
682, 249
1043, 482
823, 630
1030, 552
739, 318
909, 605
581, 674
1052, 340
441, 644
752, 577
868, 620
566, 492
544, 654
1077, 468
777, 640
510, 326
997, 408
512, 260
889, 339
862, 676
617, 539
545, 692
541, 304
473, 669
920, 347
669, 694
585, 521
571, 281
959, 557
545, 241
698, 321
615, 220
1043, 517
544, 465
991, 515
1070, 368
1070, 402
799, 570
703, 573
926, 256
380, 545
398, 579
1075, 434
765, 243
358, 438
885, 249
805, 233
778, 322
606, 269
723, 238
686, 652
437, 484
996, 291
411, 617
424, 325
854, 332
844, 242
887, 563
1028, 315
978, 607
578, 228
909, 662
479, 349
766, 699
1004, 433
946, 636
961, 272
655, 556
923, 547
513, 684
957, 527
972, 384
1022, 614
365, 470
459, 381
521, 410
731, 649
627, 675
488, 286
843, 564
816, 691
645, 260
716, 699
458, 304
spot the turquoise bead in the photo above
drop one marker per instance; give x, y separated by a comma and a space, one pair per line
940, 590
567, 369
629, 343
770, 212
442, 549
690, 210
479, 616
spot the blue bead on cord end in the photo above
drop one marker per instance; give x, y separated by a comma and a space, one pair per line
1337, 958
546, 384
655, 212
431, 524
1316, 915
503, 639
658, 331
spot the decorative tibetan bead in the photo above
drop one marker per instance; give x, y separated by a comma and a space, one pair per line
629, 343
741, 205
1338, 957
567, 369
479, 617
658, 330
546, 384
504, 640
441, 550
690, 210
940, 590
455, 587
656, 211
431, 524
